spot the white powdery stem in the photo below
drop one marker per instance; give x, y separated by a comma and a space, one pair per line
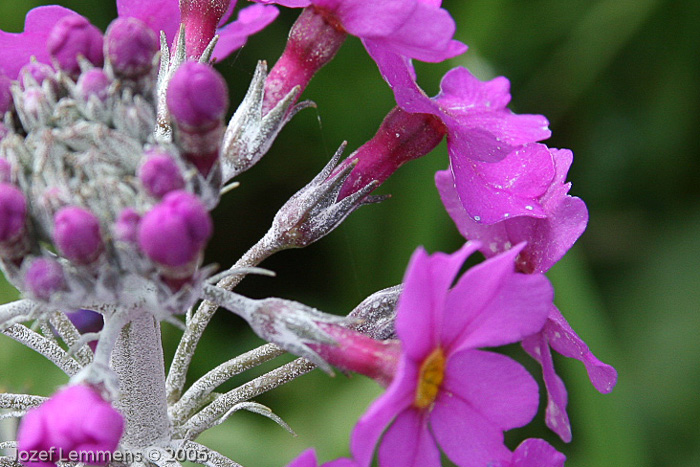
208, 416
44, 346
196, 326
137, 359
205, 385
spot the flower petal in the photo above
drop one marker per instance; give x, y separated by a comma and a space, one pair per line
16, 49
564, 340
535, 452
159, 15
420, 307
369, 428
234, 35
495, 386
491, 305
465, 436
409, 443
555, 415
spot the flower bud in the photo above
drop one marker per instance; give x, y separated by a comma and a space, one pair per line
197, 97
75, 423
160, 175
175, 231
38, 71
127, 226
130, 46
77, 234
44, 277
13, 212
72, 36
93, 82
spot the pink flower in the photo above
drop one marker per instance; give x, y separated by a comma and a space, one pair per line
534, 453
447, 392
76, 421
562, 220
417, 29
530, 185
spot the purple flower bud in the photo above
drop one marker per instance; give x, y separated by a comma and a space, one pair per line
77, 234
5, 94
160, 174
174, 232
34, 101
200, 19
197, 97
127, 226
13, 212
130, 46
86, 320
73, 36
44, 277
75, 423
94, 82
37, 70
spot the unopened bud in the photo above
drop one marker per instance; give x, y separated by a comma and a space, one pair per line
44, 277
94, 82
72, 36
77, 234
160, 174
130, 46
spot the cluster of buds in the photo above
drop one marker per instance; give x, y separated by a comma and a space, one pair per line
94, 210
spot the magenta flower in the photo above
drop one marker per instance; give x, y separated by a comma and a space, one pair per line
548, 239
308, 459
530, 184
75, 423
447, 392
417, 29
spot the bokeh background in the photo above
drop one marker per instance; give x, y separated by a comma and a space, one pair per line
619, 81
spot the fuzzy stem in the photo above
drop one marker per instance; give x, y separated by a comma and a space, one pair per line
44, 346
137, 359
196, 326
204, 386
275, 378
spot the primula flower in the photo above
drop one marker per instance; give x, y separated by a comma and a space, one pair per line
548, 239
75, 421
417, 29
447, 392
480, 130
551, 225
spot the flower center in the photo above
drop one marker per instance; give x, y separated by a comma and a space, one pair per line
432, 372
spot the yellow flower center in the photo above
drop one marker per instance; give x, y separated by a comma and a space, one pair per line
432, 372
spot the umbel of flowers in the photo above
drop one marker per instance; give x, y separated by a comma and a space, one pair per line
114, 148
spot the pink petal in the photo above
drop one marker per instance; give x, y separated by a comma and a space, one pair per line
492, 192
491, 305
408, 442
495, 386
537, 453
305, 459
461, 92
234, 35
369, 428
369, 18
564, 340
420, 306
159, 15
465, 436
16, 49
555, 415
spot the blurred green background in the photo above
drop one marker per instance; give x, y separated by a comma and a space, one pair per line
619, 81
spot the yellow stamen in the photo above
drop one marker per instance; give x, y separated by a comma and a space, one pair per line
432, 372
